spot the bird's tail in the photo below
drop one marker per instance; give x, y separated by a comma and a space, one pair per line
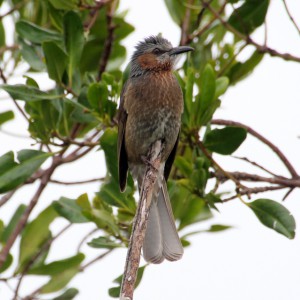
161, 238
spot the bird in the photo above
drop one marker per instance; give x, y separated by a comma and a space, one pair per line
150, 109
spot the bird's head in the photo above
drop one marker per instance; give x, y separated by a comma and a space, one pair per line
155, 54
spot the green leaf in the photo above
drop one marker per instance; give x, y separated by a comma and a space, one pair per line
207, 92
64, 4
13, 223
56, 60
59, 266
218, 227
98, 96
12, 174
275, 216
33, 55
69, 294
35, 235
226, 140
69, 209
59, 281
103, 219
104, 242
184, 165
241, 70
115, 291
27, 93
36, 34
249, 16
74, 41
108, 142
7, 263
176, 10
110, 193
221, 86
6, 116
2, 35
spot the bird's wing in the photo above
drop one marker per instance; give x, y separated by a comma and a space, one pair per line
170, 159
122, 155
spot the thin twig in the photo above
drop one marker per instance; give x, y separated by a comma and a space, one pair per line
287, 194
256, 165
243, 176
76, 182
140, 223
185, 24
290, 16
275, 149
85, 238
96, 259
250, 41
6, 197
255, 190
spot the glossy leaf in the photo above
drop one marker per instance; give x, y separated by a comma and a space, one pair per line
13, 223
59, 281
69, 209
27, 93
249, 16
36, 34
7, 263
2, 34
110, 193
221, 86
176, 10
58, 266
12, 174
241, 70
104, 242
34, 236
74, 41
6, 116
69, 294
226, 140
275, 216
108, 142
56, 60
64, 4
33, 56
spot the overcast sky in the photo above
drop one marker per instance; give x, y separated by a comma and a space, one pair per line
247, 262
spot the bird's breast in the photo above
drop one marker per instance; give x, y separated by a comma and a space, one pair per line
154, 105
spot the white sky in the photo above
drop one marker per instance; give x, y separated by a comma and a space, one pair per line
248, 262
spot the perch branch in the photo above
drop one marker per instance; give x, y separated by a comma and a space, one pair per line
140, 223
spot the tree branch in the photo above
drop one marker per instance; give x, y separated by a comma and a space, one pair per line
140, 223
21, 224
275, 149
248, 39
290, 16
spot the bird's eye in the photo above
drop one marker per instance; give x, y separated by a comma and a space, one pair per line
157, 51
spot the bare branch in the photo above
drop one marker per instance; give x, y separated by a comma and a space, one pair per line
256, 165
7, 197
140, 223
255, 190
76, 182
275, 149
101, 256
290, 16
248, 39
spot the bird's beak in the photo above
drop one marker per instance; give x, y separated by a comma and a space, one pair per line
180, 49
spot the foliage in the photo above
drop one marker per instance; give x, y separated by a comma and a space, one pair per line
79, 45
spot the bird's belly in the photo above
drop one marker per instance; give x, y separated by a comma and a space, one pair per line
143, 130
